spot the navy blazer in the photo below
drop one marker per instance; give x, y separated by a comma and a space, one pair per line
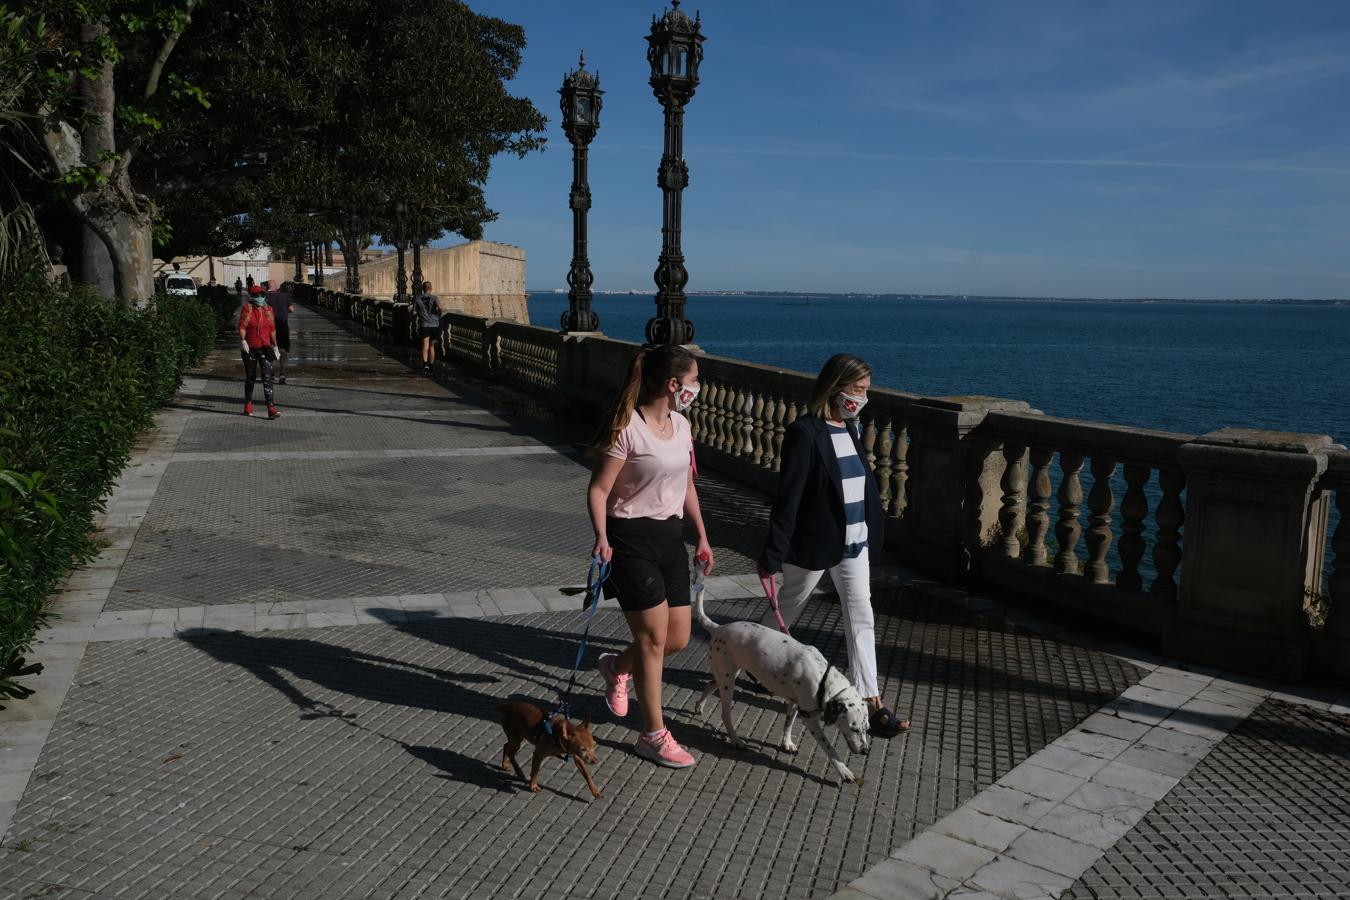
806, 527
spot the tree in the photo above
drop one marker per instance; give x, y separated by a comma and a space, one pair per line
92, 132
410, 115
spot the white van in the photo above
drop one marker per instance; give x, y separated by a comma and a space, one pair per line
180, 286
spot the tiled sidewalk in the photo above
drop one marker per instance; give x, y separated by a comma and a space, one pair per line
280, 678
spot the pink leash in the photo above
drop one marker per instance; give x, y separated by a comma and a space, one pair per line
771, 591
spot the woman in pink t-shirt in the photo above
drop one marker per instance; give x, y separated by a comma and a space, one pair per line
641, 490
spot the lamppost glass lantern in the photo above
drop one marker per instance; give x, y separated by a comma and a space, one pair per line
674, 50
580, 106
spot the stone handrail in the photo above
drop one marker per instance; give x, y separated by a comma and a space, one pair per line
1209, 547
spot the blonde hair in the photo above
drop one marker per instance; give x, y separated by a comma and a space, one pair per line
839, 372
647, 377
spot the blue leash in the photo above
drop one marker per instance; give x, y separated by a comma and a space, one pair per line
595, 580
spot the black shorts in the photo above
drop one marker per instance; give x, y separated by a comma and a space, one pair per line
283, 336
433, 331
651, 564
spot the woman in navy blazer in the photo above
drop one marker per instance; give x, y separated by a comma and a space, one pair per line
826, 517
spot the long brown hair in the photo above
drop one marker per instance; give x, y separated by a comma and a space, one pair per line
647, 377
839, 372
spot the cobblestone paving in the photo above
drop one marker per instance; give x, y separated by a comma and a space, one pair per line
239, 531
360, 762
1265, 814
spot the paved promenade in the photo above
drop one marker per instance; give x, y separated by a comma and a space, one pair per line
280, 679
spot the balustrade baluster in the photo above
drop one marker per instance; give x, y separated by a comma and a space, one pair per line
698, 418
867, 437
1068, 528
1012, 513
718, 404
1133, 511
900, 474
1167, 542
1038, 508
745, 402
881, 472
757, 440
781, 407
1101, 501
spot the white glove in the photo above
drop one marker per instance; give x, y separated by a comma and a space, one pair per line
276, 354
244, 345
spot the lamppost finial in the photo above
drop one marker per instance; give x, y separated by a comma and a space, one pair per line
582, 63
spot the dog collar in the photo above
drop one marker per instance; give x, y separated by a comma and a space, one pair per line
821, 701
546, 727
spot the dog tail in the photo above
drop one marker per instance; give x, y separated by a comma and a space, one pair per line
708, 624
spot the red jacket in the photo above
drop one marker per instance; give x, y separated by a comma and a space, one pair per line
257, 325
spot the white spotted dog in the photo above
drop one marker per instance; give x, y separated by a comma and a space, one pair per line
789, 669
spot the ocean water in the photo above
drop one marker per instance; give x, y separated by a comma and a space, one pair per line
1172, 366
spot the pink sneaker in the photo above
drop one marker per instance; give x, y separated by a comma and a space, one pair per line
616, 685
663, 750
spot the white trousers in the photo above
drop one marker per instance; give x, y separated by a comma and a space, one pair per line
853, 580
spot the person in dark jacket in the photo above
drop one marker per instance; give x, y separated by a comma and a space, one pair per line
827, 516
428, 325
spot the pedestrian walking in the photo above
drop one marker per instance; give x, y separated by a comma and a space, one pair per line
279, 301
428, 325
641, 492
258, 341
248, 283
826, 517
238, 286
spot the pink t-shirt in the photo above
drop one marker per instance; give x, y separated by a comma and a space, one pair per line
655, 476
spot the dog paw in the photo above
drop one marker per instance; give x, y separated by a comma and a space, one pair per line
599, 795
847, 775
789, 747
739, 744
701, 710
534, 788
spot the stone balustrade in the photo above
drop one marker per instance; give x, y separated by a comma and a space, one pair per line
1210, 547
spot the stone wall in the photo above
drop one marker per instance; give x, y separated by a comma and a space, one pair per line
480, 278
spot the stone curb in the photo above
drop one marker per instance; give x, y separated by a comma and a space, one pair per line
1047, 821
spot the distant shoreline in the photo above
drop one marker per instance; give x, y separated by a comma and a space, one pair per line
814, 295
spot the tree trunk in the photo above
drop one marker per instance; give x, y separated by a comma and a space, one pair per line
96, 95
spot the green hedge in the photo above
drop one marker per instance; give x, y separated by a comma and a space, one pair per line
80, 377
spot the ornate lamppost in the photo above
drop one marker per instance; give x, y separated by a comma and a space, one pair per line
674, 49
401, 245
581, 120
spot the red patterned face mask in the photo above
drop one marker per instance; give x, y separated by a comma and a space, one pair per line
684, 397
849, 406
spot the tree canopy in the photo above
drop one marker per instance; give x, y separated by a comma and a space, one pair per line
218, 126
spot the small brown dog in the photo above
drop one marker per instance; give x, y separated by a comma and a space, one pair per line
523, 721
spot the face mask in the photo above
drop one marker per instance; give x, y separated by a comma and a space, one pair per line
258, 301
849, 406
684, 397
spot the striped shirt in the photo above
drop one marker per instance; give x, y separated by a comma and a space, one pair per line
853, 475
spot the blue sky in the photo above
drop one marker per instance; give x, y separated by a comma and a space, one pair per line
1108, 149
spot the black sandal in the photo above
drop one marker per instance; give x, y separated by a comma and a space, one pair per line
885, 724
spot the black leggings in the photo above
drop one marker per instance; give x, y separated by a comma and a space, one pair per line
252, 359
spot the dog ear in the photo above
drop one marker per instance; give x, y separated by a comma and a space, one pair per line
833, 710
587, 721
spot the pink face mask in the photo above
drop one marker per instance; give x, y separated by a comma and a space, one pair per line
684, 397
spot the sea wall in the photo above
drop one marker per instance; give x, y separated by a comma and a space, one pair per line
480, 278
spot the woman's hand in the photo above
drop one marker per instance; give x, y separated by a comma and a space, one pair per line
602, 549
703, 556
